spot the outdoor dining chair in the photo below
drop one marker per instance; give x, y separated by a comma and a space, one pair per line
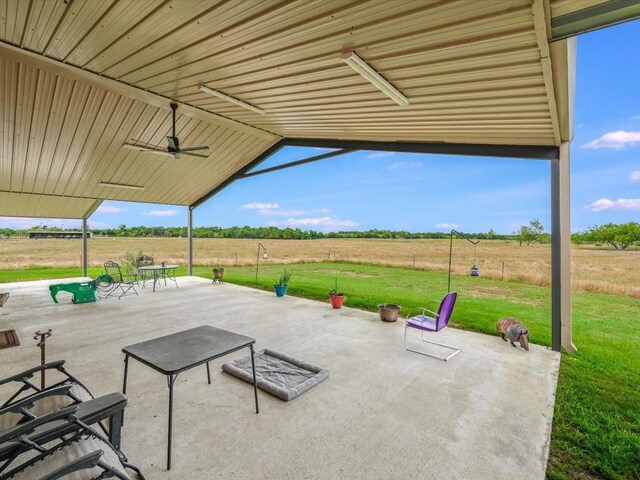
433, 324
122, 283
144, 261
79, 450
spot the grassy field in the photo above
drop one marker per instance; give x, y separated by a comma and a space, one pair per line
596, 429
593, 270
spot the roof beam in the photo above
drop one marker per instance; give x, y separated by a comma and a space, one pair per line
304, 161
536, 152
540, 17
605, 14
239, 173
71, 72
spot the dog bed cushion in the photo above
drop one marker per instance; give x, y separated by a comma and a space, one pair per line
277, 373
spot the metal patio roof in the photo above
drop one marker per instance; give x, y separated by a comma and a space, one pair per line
81, 77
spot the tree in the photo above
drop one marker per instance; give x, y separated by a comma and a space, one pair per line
533, 232
618, 236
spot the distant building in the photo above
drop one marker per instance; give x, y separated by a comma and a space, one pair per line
56, 234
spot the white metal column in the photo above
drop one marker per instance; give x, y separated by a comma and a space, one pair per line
561, 252
85, 249
565, 249
190, 240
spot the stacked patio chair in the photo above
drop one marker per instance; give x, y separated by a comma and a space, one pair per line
124, 284
71, 447
45, 433
29, 401
144, 261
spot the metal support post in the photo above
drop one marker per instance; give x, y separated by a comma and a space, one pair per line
85, 249
565, 249
190, 239
556, 258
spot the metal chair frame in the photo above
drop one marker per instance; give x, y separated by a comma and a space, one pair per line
144, 261
125, 286
83, 431
436, 315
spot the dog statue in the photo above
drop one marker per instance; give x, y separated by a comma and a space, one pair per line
513, 330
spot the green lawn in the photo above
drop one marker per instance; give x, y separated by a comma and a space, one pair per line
596, 429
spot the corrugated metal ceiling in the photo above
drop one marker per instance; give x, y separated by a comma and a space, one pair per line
474, 72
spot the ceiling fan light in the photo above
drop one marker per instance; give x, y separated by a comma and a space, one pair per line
373, 77
235, 101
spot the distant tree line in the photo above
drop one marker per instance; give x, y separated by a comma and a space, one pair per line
618, 236
257, 233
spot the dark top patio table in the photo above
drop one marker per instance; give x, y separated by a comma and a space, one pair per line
159, 271
176, 353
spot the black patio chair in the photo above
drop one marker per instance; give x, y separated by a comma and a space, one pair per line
78, 448
62, 392
122, 283
144, 261
29, 401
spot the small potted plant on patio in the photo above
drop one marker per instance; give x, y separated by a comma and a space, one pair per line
218, 273
337, 298
282, 283
389, 312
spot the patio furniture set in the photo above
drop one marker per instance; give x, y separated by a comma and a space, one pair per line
146, 271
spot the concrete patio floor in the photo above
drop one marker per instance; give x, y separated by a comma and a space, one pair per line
384, 413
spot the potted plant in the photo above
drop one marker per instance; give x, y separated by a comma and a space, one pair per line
218, 273
389, 312
337, 298
281, 284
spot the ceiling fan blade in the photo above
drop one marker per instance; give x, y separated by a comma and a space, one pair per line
142, 148
174, 144
182, 152
193, 149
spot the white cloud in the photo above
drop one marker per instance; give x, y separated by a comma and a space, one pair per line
446, 226
109, 209
162, 213
396, 165
374, 155
260, 206
621, 204
635, 117
614, 140
635, 176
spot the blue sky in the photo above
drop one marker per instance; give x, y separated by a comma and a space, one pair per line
413, 192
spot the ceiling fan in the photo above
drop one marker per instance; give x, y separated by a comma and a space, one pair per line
173, 149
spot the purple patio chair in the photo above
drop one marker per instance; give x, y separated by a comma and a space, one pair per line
437, 322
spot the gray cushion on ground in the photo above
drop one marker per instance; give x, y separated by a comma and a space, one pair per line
277, 373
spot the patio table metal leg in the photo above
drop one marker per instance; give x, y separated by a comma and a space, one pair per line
255, 385
155, 279
170, 380
124, 385
208, 374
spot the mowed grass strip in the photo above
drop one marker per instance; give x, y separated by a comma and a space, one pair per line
596, 428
